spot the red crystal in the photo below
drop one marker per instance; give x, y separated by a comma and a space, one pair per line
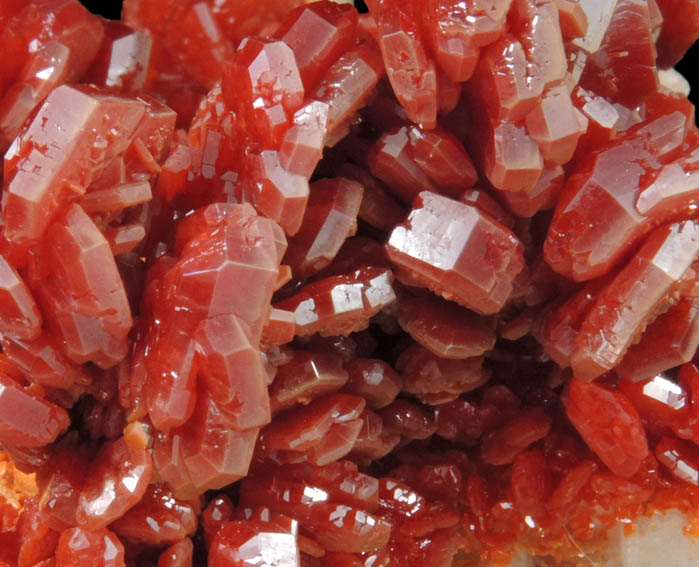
443, 158
412, 74
606, 333
59, 39
280, 328
77, 146
19, 316
562, 325
233, 245
332, 28
468, 421
503, 445
408, 419
116, 198
572, 18
662, 404
350, 529
378, 207
123, 59
92, 316
582, 244
255, 543
556, 125
232, 370
125, 238
456, 251
457, 31
37, 542
536, 26
217, 514
630, 76
567, 492
179, 554
680, 457
304, 429
170, 373
158, 518
374, 380
669, 341
82, 548
542, 196
306, 376
531, 482
675, 185
357, 252
162, 340
347, 86
43, 362
302, 146
115, 482
609, 424
339, 305
330, 217
59, 498
679, 31
374, 440
445, 329
513, 161
487, 204
264, 82
434, 379
392, 162
411, 159
501, 72
214, 453
28, 420
279, 194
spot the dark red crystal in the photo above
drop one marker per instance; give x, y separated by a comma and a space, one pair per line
609, 424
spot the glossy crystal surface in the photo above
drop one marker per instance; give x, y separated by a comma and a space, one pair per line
115, 482
76, 146
609, 424
28, 420
92, 315
283, 284
412, 74
80, 548
20, 317
330, 217
646, 281
456, 251
158, 518
339, 305
51, 43
445, 329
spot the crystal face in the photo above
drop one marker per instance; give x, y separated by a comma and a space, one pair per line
76, 145
456, 251
20, 316
116, 481
607, 331
28, 420
283, 284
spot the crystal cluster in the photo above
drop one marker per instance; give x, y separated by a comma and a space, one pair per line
287, 285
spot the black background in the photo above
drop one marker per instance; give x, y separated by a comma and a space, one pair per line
689, 66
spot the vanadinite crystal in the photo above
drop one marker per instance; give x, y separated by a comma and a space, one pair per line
285, 283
